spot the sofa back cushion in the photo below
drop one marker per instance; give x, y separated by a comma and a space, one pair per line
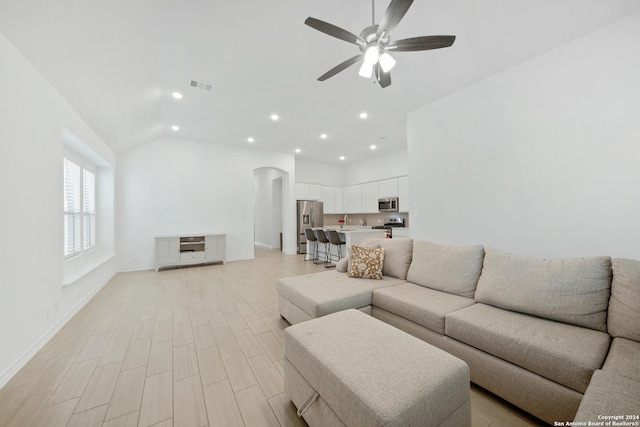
452, 269
397, 255
624, 305
569, 290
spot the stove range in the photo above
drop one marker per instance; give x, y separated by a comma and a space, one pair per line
389, 225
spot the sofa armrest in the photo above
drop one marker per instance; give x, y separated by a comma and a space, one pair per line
341, 266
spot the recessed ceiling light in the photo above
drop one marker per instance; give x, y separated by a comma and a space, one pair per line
323, 136
175, 127
274, 117
176, 95
373, 147
363, 115
298, 150
250, 139
342, 157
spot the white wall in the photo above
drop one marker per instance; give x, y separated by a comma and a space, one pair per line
32, 118
266, 212
277, 207
382, 167
176, 186
542, 159
319, 173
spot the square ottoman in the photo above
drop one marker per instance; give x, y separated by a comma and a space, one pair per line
349, 369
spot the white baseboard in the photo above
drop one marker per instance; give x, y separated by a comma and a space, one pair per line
263, 245
35, 348
139, 268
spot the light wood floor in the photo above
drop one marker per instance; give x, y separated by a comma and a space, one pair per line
199, 346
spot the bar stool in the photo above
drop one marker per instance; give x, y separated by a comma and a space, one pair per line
312, 242
322, 238
334, 239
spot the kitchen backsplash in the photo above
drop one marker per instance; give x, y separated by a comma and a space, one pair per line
369, 219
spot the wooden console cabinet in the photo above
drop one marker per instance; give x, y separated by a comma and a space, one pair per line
173, 251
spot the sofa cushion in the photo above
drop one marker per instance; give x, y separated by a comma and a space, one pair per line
571, 290
366, 263
624, 305
609, 394
397, 255
563, 353
452, 269
624, 358
323, 293
424, 306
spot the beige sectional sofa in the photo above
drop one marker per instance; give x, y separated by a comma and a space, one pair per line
559, 338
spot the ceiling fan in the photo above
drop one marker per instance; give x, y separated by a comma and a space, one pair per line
375, 44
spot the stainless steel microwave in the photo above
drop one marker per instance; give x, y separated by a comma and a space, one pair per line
388, 204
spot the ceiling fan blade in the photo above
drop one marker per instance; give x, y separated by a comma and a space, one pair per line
383, 78
421, 43
333, 31
393, 15
340, 67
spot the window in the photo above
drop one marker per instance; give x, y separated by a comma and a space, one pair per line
79, 209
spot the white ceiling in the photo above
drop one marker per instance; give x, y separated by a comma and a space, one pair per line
116, 62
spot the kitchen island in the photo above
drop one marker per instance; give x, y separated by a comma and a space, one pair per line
355, 236
351, 236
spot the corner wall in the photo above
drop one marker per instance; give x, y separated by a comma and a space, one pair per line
33, 303
541, 159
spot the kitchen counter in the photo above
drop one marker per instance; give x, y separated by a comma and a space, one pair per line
355, 236
351, 236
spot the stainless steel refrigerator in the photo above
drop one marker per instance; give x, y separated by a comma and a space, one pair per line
310, 215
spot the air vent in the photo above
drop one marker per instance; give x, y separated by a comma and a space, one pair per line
201, 85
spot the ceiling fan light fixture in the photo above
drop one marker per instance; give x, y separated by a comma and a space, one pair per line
366, 70
387, 62
375, 40
372, 54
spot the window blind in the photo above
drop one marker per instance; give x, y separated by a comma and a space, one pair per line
79, 208
72, 212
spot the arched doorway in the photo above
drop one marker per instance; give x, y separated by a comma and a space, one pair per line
271, 205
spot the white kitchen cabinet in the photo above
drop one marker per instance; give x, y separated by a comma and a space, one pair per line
353, 199
388, 188
370, 194
345, 200
329, 199
315, 192
403, 194
332, 198
302, 191
400, 232
339, 207
306, 191
189, 249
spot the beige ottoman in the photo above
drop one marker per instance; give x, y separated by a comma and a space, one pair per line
349, 369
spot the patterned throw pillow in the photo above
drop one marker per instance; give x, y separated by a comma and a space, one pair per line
366, 262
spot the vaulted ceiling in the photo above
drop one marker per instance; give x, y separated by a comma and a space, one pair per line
116, 63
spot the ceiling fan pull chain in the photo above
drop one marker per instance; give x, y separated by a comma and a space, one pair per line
373, 12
